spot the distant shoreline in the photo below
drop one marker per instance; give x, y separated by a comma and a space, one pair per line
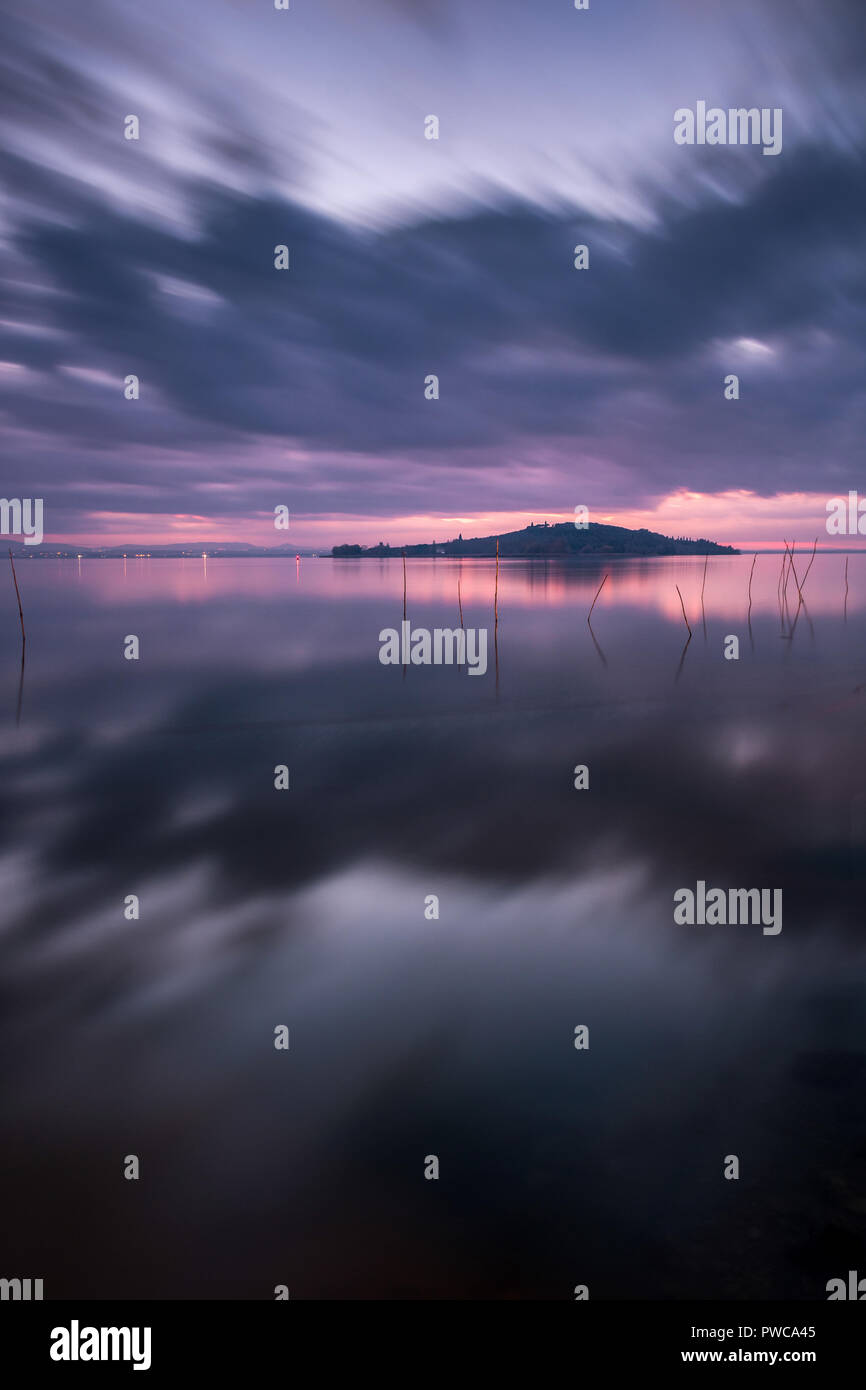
580, 555
32, 554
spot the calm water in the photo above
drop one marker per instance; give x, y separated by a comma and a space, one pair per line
412, 1037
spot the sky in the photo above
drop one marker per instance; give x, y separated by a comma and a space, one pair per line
305, 388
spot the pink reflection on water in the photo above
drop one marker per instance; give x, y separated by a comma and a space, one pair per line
636, 583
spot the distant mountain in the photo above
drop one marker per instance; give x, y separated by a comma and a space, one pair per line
217, 551
561, 539
536, 540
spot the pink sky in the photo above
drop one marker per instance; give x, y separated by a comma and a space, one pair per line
741, 519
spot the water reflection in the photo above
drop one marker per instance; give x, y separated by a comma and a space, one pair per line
454, 1035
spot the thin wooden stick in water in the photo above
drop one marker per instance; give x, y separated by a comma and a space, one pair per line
496, 590
404, 586
808, 567
791, 570
459, 603
703, 585
683, 607
751, 572
18, 596
794, 572
595, 600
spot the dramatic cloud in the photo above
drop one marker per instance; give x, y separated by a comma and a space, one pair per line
156, 258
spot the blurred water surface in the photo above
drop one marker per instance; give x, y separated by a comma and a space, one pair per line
454, 1036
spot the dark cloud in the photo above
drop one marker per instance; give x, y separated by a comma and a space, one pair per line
334, 352
623, 363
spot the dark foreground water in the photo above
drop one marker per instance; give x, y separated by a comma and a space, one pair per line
409, 1036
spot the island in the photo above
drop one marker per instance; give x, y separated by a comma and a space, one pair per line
540, 540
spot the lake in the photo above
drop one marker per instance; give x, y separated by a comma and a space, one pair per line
413, 1035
